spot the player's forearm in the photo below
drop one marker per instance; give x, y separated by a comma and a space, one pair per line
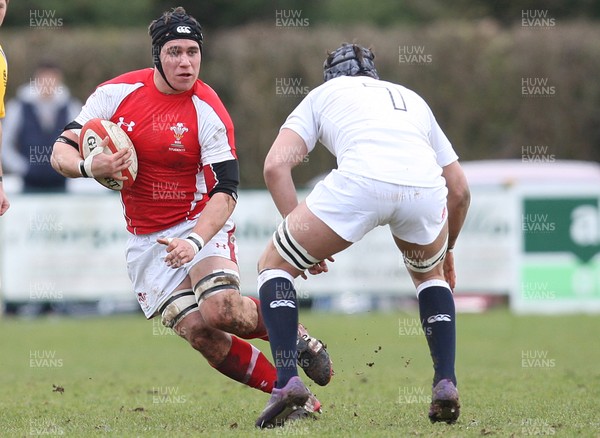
214, 216
458, 200
457, 212
65, 158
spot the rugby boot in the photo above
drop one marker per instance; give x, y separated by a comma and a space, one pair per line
283, 402
444, 402
313, 357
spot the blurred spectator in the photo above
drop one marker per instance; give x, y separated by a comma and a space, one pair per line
4, 204
34, 118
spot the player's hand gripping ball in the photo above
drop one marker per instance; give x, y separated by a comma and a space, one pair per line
92, 134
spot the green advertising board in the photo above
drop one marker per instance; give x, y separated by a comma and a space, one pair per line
559, 261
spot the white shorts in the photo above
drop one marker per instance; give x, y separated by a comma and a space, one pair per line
353, 205
154, 281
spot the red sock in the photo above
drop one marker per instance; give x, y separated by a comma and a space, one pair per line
260, 331
246, 364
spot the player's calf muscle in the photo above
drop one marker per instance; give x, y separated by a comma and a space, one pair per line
210, 342
230, 312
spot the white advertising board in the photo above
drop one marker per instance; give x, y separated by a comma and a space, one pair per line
484, 252
73, 247
64, 247
559, 249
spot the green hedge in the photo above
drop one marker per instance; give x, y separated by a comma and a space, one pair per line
494, 90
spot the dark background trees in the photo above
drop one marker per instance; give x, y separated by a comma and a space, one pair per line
475, 61
226, 13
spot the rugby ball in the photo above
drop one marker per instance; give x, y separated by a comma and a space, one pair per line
92, 134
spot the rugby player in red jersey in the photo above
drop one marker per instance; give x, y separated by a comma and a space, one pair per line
182, 201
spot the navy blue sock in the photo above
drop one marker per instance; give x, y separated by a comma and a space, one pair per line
280, 313
436, 308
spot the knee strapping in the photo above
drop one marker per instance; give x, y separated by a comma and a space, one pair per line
216, 282
180, 304
290, 250
428, 264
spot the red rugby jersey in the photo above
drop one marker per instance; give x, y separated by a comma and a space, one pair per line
176, 138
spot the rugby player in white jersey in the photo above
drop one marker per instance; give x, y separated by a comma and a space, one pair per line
181, 253
395, 167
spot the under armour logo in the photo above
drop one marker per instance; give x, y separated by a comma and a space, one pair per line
282, 303
129, 126
438, 318
183, 29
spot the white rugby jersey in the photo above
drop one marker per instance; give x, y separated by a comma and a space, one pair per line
176, 137
375, 129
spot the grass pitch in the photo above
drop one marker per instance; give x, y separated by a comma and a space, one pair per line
128, 377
